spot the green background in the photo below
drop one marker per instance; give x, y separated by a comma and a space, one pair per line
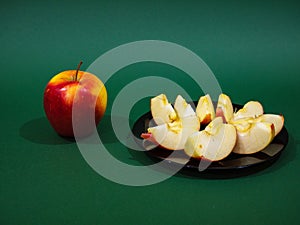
252, 47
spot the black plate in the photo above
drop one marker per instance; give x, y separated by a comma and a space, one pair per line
232, 166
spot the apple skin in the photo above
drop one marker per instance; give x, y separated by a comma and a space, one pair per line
87, 93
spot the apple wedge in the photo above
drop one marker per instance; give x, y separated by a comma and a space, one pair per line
182, 108
224, 108
276, 120
214, 143
173, 135
205, 109
252, 135
251, 109
161, 110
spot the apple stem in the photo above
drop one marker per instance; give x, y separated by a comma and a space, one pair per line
78, 67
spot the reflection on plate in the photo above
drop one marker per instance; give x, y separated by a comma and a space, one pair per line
232, 166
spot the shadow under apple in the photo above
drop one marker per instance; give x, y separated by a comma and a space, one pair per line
39, 131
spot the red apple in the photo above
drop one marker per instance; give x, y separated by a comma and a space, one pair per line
79, 90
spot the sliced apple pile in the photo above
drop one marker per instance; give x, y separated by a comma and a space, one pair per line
174, 126
246, 131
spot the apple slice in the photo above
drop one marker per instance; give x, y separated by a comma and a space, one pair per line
205, 109
161, 110
214, 143
173, 135
277, 120
224, 108
251, 109
252, 135
182, 108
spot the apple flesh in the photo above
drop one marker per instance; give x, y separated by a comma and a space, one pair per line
172, 135
253, 135
161, 110
251, 109
224, 108
276, 120
255, 130
205, 109
74, 88
214, 143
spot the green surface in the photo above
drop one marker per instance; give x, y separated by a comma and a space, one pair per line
254, 50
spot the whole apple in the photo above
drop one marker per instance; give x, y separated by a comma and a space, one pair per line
79, 90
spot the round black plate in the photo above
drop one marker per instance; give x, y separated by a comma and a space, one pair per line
232, 166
